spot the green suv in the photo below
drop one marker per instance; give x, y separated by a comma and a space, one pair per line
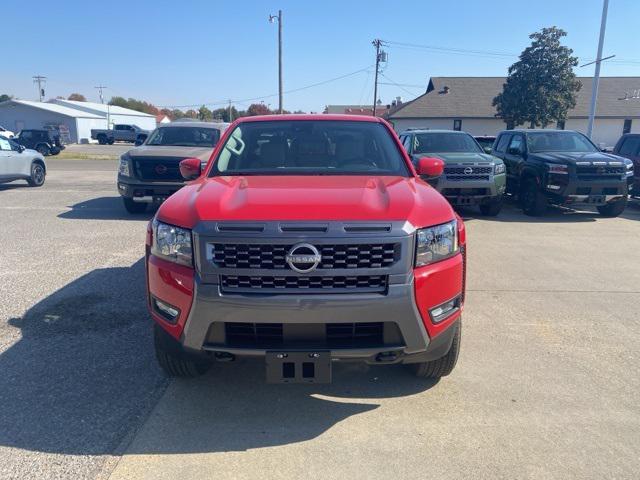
471, 176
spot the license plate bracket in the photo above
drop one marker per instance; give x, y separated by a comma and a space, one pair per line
298, 367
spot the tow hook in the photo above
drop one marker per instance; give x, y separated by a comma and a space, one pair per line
225, 357
386, 357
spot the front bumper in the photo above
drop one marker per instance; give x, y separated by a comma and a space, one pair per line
472, 192
409, 335
146, 192
562, 190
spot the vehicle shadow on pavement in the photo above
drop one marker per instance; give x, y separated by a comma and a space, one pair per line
511, 213
104, 208
233, 409
83, 378
83, 374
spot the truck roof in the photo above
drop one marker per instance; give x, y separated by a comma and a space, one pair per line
310, 116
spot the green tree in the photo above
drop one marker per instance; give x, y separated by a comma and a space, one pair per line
77, 97
541, 87
133, 104
205, 114
4, 97
258, 109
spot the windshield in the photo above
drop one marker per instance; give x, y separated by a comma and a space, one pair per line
307, 147
184, 137
442, 142
559, 142
485, 142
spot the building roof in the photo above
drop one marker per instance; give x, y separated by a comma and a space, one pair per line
356, 109
52, 107
471, 97
99, 108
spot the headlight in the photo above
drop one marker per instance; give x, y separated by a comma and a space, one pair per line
172, 243
436, 243
556, 168
629, 169
499, 168
123, 168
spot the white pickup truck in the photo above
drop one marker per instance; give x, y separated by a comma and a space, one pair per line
120, 133
20, 163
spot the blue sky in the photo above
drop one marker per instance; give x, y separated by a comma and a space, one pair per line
194, 52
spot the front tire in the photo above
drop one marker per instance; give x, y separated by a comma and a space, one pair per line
43, 150
534, 203
443, 366
613, 209
134, 207
491, 208
102, 139
38, 175
172, 358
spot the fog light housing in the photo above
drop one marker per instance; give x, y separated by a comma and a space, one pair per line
167, 311
444, 310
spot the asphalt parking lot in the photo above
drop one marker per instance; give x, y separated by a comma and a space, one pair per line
547, 384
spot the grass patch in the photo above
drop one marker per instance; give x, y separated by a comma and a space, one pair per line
82, 156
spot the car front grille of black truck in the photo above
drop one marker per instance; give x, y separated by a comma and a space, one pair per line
599, 172
330, 335
468, 173
161, 169
270, 256
304, 284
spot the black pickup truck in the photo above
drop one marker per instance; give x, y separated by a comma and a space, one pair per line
562, 167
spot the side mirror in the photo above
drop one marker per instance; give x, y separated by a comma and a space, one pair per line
430, 167
190, 168
21, 148
487, 149
514, 151
140, 140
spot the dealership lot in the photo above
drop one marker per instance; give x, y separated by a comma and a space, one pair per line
546, 386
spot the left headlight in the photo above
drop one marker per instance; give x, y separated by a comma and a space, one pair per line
629, 169
123, 168
172, 243
436, 243
499, 168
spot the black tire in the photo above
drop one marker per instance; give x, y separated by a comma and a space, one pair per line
38, 174
102, 139
134, 207
43, 150
111, 140
172, 358
533, 201
491, 208
613, 209
443, 366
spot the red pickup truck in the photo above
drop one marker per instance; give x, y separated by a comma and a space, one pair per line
307, 240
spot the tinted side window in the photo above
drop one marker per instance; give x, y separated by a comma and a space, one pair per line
630, 146
516, 143
406, 143
502, 143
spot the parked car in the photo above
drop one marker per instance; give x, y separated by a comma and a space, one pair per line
6, 133
629, 147
486, 142
150, 172
562, 167
307, 239
19, 163
471, 177
46, 142
120, 133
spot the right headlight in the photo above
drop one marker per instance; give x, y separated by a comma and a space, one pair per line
436, 243
123, 168
172, 243
499, 168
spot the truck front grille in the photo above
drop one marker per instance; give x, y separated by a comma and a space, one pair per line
468, 173
599, 172
272, 256
330, 335
303, 284
161, 169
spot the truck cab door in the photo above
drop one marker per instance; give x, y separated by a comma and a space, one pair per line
514, 158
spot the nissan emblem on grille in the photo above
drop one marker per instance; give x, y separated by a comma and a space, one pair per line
303, 258
161, 169
468, 171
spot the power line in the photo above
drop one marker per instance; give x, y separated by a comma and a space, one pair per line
244, 100
397, 85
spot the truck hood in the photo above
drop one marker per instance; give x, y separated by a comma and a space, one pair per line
203, 153
573, 157
306, 198
464, 157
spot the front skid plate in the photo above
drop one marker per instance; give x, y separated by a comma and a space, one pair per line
298, 367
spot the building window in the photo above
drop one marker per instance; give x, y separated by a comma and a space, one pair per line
626, 128
457, 124
560, 125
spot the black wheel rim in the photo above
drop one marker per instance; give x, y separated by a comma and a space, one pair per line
38, 175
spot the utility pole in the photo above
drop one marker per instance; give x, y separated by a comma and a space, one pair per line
596, 77
381, 56
100, 88
273, 18
40, 80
